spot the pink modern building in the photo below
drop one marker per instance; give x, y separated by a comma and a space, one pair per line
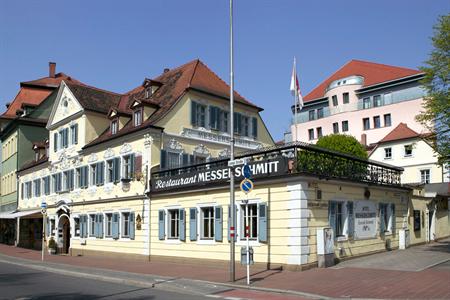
363, 99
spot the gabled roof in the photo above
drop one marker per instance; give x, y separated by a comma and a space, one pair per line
194, 75
35, 91
373, 73
94, 99
401, 132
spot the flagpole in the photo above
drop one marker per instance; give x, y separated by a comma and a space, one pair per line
294, 138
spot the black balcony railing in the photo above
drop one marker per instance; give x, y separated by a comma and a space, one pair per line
297, 158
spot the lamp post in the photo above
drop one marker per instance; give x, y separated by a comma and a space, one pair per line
232, 205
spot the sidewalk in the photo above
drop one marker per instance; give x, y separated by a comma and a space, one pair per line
342, 281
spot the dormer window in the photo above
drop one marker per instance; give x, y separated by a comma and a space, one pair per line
137, 117
114, 126
148, 92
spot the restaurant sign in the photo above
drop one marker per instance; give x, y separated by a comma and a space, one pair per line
365, 220
217, 175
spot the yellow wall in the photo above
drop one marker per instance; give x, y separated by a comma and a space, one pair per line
9, 146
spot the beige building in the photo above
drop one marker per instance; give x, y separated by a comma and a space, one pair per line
103, 147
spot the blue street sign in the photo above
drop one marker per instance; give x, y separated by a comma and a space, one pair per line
246, 185
247, 171
44, 205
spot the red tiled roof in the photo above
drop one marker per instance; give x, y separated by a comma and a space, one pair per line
175, 83
401, 132
373, 73
94, 99
35, 91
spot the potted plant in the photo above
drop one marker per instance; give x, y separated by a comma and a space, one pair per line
52, 246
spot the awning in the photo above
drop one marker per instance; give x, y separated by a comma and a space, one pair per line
19, 214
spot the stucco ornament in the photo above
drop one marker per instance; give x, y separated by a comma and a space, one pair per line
202, 150
92, 158
125, 148
109, 153
175, 145
108, 188
225, 153
65, 105
148, 140
92, 190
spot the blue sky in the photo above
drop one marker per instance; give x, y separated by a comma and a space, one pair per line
115, 44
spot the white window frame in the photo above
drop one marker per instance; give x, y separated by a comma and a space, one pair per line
344, 235
137, 121
122, 224
105, 224
74, 233
90, 222
200, 239
389, 215
404, 150
385, 153
429, 175
114, 126
240, 230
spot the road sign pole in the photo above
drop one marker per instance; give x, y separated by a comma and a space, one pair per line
43, 235
232, 207
247, 229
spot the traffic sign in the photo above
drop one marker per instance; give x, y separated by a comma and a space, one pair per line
43, 211
236, 162
247, 171
246, 185
44, 205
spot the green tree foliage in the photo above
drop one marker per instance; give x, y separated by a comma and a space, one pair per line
343, 143
436, 116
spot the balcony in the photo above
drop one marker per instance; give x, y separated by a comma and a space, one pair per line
279, 162
206, 135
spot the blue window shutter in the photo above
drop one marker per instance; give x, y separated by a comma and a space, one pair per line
351, 220
393, 217
182, 225
55, 142
81, 226
102, 172
332, 216
115, 225
193, 224
162, 223
194, 113
132, 227
382, 228
117, 169
218, 224
85, 226
262, 222
254, 127
100, 226
163, 163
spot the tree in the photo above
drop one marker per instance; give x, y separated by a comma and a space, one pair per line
343, 143
436, 116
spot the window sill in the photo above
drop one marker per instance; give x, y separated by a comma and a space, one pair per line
206, 242
173, 241
253, 243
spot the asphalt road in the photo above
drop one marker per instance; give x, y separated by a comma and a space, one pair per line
18, 282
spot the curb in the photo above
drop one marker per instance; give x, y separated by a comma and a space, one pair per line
157, 281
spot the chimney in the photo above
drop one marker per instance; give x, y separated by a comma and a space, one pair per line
51, 69
364, 139
7, 105
166, 70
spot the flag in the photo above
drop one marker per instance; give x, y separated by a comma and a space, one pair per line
295, 88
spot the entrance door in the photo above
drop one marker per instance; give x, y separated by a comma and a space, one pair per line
66, 235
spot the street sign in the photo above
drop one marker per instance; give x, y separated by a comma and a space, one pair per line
44, 205
236, 162
246, 185
247, 171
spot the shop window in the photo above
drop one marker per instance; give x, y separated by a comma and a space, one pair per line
345, 98
108, 225
340, 218
425, 176
408, 150
388, 153
76, 224
174, 223
336, 127
344, 126
207, 223
366, 123
387, 217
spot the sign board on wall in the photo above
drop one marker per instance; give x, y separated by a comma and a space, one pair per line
365, 219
